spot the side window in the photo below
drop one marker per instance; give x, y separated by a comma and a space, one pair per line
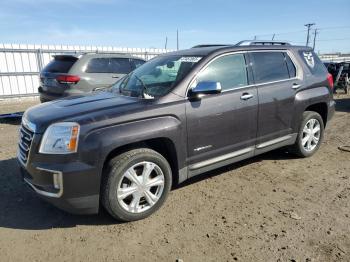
291, 66
98, 65
138, 62
313, 62
109, 65
120, 66
269, 66
229, 70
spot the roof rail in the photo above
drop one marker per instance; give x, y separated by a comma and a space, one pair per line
261, 42
209, 45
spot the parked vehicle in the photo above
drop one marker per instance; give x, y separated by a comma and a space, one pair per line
177, 116
68, 75
341, 75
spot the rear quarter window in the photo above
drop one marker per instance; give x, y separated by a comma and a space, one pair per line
60, 64
313, 62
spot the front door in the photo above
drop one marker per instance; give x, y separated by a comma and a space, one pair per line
223, 126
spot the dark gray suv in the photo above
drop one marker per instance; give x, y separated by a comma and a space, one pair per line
176, 116
68, 75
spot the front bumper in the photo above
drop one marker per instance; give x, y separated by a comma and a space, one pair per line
71, 187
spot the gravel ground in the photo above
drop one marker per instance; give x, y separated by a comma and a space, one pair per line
274, 207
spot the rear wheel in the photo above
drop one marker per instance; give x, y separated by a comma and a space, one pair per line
136, 184
310, 134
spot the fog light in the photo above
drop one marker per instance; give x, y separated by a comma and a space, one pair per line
56, 181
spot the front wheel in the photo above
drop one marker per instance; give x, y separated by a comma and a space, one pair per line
310, 134
136, 184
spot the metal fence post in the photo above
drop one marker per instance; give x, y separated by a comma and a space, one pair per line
39, 59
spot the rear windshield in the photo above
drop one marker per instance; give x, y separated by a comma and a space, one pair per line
60, 64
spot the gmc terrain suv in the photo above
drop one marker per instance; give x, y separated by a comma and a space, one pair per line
174, 117
68, 75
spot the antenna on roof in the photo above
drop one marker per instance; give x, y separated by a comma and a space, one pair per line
177, 39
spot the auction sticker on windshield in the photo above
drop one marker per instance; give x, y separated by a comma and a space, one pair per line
190, 59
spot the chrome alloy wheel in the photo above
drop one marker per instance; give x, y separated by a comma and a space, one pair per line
140, 187
311, 134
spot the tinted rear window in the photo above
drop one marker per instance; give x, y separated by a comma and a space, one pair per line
109, 65
120, 65
269, 66
60, 64
313, 62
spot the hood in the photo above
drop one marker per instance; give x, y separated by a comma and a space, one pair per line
76, 107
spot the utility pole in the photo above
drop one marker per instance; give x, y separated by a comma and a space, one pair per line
315, 34
166, 42
177, 39
308, 32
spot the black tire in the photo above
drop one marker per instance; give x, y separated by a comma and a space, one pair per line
114, 173
298, 148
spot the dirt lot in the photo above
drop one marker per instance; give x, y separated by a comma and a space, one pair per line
274, 207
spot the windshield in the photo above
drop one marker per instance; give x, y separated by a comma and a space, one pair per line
157, 77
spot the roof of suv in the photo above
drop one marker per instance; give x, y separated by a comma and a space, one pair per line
208, 49
97, 54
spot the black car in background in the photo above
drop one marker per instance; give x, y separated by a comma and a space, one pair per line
341, 74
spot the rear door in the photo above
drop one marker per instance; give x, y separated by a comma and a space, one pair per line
222, 127
59, 66
275, 76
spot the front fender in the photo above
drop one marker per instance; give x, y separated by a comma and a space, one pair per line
103, 141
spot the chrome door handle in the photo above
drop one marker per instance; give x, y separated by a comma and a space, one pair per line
115, 76
296, 86
246, 96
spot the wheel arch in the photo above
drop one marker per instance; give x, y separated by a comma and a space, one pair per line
163, 145
312, 99
320, 108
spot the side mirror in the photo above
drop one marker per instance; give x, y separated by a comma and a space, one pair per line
206, 88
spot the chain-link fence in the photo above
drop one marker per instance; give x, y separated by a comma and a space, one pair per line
20, 64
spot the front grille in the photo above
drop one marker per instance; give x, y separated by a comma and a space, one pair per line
25, 141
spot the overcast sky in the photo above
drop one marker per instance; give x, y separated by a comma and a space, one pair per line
126, 23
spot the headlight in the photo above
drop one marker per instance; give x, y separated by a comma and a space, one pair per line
60, 138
